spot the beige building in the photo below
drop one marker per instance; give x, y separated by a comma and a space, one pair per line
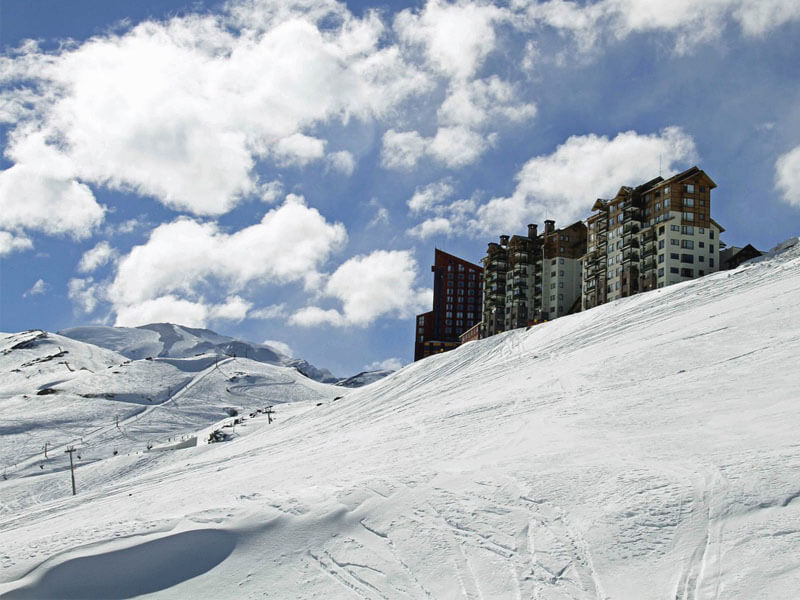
657, 234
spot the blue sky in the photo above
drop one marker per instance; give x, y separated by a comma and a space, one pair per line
283, 170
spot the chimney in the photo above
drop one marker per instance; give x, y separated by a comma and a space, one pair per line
532, 231
504, 240
549, 226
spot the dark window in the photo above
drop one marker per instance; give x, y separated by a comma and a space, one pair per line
687, 258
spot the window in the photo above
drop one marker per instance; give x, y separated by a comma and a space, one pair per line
688, 202
661, 272
688, 216
674, 270
687, 258
711, 235
701, 244
701, 273
675, 227
561, 284
618, 271
688, 244
674, 242
660, 258
561, 273
666, 190
687, 229
711, 248
561, 262
711, 262
658, 205
702, 189
661, 230
561, 296
688, 187
660, 244
616, 286
701, 258
687, 272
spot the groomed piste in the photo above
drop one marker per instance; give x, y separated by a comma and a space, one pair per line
647, 448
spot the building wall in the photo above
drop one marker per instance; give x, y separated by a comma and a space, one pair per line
457, 302
657, 234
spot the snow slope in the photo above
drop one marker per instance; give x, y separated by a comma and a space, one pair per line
647, 448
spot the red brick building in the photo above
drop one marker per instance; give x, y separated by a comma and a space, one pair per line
457, 286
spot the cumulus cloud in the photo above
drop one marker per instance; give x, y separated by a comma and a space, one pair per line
431, 227
11, 243
235, 308
453, 147
38, 288
266, 313
389, 364
787, 176
281, 347
30, 199
172, 110
93, 259
456, 38
690, 22
342, 161
428, 196
180, 260
368, 287
563, 185
299, 149
86, 294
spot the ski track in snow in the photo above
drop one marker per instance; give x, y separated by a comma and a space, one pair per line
554, 464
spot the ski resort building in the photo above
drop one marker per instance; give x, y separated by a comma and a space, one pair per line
654, 235
532, 278
456, 305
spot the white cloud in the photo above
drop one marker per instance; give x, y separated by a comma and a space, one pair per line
11, 243
165, 309
271, 191
299, 149
274, 311
402, 149
281, 347
431, 227
173, 110
182, 258
457, 146
342, 161
369, 286
234, 308
93, 259
476, 103
564, 184
456, 37
313, 316
30, 199
454, 147
85, 293
691, 22
428, 196
39, 288
389, 364
787, 176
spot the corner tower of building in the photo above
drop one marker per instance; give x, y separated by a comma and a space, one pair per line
457, 285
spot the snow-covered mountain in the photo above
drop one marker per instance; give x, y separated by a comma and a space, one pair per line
364, 378
177, 341
647, 448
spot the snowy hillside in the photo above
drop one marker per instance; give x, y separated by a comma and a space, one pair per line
364, 378
177, 341
644, 449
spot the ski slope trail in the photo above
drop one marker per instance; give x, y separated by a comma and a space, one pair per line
647, 448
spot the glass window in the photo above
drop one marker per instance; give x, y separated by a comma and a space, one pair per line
689, 244
711, 235
674, 242
675, 227
661, 272
688, 187
710, 262
660, 258
674, 270
688, 202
